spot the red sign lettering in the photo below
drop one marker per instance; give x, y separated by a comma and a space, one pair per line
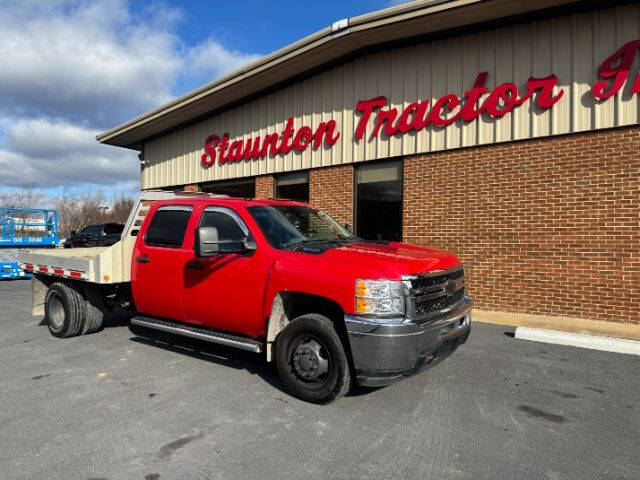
620, 73
272, 144
449, 108
504, 98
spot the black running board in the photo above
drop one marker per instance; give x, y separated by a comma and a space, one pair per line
199, 333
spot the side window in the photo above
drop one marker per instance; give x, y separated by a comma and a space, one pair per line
112, 229
229, 225
168, 226
93, 230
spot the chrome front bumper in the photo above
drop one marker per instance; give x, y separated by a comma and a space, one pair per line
384, 353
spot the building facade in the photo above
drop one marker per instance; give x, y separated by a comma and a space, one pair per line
506, 135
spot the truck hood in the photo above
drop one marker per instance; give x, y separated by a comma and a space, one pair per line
393, 259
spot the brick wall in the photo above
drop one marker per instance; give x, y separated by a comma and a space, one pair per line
331, 189
264, 186
548, 226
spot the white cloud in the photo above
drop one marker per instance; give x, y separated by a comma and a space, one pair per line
40, 137
70, 69
89, 61
48, 154
210, 60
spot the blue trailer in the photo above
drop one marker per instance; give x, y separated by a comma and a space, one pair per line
22, 228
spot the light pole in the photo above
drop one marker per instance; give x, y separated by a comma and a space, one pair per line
104, 209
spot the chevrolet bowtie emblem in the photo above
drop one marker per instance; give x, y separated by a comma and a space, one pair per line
449, 287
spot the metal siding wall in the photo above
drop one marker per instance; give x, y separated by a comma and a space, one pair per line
572, 47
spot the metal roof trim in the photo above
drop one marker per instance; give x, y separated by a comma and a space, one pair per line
381, 18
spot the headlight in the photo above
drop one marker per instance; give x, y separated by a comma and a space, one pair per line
379, 297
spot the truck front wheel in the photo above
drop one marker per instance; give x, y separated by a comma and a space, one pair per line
311, 360
64, 311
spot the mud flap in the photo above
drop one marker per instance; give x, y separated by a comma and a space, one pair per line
39, 287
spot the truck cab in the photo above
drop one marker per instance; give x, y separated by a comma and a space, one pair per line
283, 279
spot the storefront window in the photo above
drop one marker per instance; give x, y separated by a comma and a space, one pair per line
379, 201
294, 186
245, 188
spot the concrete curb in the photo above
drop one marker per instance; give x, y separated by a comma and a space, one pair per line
594, 342
559, 324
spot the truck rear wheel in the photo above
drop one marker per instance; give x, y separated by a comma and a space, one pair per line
94, 309
311, 360
64, 311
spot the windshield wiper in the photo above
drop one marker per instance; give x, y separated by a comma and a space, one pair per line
291, 243
316, 241
307, 241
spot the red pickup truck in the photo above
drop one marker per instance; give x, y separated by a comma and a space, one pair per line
275, 277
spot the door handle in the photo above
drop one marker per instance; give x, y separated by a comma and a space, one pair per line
143, 259
195, 265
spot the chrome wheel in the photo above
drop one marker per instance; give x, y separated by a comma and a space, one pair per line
56, 312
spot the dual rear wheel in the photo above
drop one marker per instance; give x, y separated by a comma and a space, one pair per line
72, 309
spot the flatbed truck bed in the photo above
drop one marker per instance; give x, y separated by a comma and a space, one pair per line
101, 265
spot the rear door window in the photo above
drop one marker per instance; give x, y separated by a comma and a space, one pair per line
168, 226
93, 230
113, 229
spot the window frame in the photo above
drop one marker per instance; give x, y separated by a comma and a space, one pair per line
211, 187
372, 164
283, 176
232, 213
183, 208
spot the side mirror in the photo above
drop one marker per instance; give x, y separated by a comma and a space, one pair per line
73, 232
207, 243
347, 227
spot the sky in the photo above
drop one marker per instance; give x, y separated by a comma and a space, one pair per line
72, 69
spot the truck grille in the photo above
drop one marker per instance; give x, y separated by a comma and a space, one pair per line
433, 294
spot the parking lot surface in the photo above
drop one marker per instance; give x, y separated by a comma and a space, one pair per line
117, 406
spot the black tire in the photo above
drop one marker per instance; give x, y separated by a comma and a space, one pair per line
313, 333
64, 311
94, 309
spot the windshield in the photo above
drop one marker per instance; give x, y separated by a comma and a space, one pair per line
286, 226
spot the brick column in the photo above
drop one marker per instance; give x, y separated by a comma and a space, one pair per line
331, 189
193, 187
264, 186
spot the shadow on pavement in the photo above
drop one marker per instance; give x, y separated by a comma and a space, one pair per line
218, 354
221, 355
201, 350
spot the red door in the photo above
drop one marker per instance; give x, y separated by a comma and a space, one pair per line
158, 260
226, 291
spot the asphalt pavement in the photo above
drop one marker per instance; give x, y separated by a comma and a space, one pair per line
113, 405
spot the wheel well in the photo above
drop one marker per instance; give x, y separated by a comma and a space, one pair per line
289, 305
296, 304
41, 283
